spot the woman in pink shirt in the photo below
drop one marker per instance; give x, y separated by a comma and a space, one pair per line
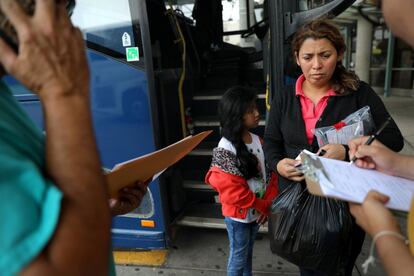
324, 94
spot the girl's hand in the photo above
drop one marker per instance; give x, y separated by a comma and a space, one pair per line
286, 168
261, 219
334, 151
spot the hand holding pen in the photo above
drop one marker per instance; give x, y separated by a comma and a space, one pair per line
374, 136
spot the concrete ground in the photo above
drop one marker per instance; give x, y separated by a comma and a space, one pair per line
204, 252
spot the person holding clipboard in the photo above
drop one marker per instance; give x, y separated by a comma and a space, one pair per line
372, 215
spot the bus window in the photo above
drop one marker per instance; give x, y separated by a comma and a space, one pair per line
109, 28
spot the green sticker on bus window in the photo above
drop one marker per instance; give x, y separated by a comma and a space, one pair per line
132, 54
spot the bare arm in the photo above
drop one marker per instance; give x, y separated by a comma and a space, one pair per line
51, 62
395, 256
374, 218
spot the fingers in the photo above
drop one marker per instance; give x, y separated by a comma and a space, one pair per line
365, 150
46, 10
355, 143
137, 190
132, 193
292, 171
142, 186
132, 198
298, 178
16, 15
7, 55
63, 19
366, 164
376, 196
291, 162
355, 209
358, 212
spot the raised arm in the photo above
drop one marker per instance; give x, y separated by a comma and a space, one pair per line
52, 63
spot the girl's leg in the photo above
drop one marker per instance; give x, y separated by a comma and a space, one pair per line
254, 228
239, 237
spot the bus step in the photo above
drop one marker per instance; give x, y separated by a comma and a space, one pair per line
213, 223
196, 185
206, 215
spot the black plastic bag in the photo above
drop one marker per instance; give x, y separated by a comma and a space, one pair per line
310, 231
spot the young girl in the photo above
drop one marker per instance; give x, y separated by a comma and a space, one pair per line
238, 174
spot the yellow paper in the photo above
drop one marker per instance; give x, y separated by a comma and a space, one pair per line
145, 167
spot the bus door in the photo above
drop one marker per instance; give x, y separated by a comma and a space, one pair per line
123, 104
217, 57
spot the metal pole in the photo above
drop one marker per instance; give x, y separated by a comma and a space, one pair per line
390, 61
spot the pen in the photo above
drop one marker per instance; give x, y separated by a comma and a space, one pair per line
374, 136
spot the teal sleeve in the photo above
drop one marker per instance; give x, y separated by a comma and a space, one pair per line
29, 212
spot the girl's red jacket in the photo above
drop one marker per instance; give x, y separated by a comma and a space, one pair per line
234, 193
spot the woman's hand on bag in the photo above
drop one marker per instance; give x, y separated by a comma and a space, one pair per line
287, 168
334, 151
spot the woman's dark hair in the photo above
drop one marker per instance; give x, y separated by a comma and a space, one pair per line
235, 103
343, 81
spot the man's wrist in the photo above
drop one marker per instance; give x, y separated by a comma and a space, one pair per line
62, 90
65, 99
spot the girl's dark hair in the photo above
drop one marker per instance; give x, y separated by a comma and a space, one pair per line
343, 81
235, 103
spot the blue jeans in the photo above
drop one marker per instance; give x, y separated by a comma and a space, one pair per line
241, 238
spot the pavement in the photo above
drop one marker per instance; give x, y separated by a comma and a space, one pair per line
197, 251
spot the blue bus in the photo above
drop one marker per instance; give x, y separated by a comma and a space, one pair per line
158, 69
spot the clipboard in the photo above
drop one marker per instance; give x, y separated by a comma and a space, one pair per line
145, 167
344, 181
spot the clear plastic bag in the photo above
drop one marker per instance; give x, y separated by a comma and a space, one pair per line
310, 231
357, 124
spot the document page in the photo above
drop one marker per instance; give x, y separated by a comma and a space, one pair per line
150, 165
346, 181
